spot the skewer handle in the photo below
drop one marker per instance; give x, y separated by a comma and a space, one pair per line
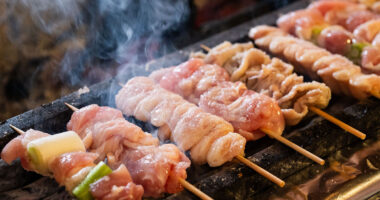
193, 189
73, 108
295, 147
261, 171
206, 48
339, 123
19, 131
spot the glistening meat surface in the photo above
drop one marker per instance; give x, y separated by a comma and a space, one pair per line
70, 169
341, 12
156, 168
190, 79
105, 131
117, 185
246, 110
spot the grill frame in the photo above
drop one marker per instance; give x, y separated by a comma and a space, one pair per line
233, 180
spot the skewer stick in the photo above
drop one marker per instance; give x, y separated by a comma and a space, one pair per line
193, 189
183, 182
261, 171
339, 123
204, 47
19, 131
294, 146
73, 108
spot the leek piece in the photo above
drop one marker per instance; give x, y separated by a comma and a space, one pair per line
82, 191
43, 150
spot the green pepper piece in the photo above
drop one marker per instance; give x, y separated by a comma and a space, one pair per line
355, 51
82, 191
315, 32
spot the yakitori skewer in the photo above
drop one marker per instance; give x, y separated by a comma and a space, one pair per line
354, 37
64, 157
233, 144
183, 182
323, 114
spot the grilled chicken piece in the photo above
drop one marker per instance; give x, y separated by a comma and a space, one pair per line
157, 169
369, 32
341, 12
117, 185
190, 79
105, 131
70, 169
302, 22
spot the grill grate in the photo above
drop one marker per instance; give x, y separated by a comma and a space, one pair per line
233, 180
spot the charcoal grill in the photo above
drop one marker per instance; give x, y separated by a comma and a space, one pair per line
231, 181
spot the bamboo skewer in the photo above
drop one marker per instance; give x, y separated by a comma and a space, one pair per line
19, 131
73, 108
204, 47
294, 146
323, 114
261, 171
193, 189
251, 165
339, 123
183, 182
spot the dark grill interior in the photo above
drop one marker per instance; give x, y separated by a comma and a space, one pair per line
233, 180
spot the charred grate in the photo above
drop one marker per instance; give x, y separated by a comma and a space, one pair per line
231, 181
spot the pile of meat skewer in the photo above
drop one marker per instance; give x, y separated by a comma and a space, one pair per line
270, 77
106, 134
341, 27
338, 72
